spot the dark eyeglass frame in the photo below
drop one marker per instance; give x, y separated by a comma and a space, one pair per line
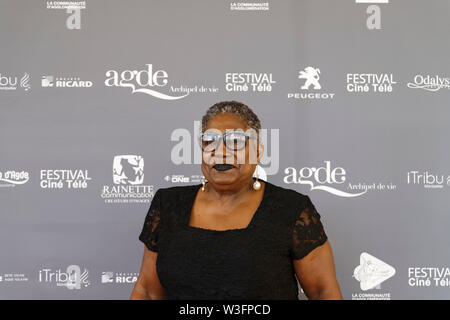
223, 138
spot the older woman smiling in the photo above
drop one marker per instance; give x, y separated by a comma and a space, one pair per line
233, 236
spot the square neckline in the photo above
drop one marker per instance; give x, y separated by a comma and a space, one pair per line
250, 224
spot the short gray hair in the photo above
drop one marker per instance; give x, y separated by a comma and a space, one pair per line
234, 107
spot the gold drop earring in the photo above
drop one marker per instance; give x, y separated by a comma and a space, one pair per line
204, 181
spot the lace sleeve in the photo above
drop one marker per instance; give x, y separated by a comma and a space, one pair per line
308, 232
150, 231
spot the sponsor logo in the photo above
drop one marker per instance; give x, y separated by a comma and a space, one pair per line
428, 180
260, 173
11, 82
147, 81
310, 77
128, 177
73, 8
181, 178
12, 178
72, 278
69, 82
429, 83
326, 178
429, 277
249, 6
114, 277
13, 277
254, 82
66, 4
373, 21
370, 273
152, 82
128, 169
370, 82
64, 178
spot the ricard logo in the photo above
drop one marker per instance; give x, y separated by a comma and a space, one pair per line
64, 82
119, 277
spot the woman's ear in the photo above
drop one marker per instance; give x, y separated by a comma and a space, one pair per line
260, 151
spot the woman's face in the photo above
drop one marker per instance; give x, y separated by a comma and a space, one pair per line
223, 167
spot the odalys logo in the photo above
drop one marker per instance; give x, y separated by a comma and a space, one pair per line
12, 178
429, 83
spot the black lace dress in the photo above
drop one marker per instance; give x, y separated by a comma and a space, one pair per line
250, 263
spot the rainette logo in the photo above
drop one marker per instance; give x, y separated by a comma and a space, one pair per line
128, 169
370, 273
128, 179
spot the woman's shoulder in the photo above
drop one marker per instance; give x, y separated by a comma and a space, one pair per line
176, 193
287, 204
288, 197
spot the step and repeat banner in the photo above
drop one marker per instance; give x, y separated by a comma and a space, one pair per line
101, 103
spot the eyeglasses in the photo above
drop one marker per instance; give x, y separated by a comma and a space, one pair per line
234, 140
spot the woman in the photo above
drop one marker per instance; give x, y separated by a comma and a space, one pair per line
233, 236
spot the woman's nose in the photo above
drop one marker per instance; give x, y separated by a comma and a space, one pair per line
223, 153
220, 150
